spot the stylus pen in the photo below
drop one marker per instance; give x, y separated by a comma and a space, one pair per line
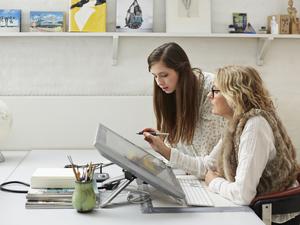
153, 133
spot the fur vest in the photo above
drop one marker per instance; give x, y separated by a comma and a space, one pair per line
280, 172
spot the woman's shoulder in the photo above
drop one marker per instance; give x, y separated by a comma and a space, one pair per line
258, 124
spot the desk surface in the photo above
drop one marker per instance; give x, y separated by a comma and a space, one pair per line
12, 159
20, 166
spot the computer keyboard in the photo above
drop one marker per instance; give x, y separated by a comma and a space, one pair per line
195, 193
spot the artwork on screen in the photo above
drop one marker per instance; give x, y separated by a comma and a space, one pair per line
137, 161
134, 16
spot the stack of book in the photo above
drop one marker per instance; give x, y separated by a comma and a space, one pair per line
52, 188
41, 198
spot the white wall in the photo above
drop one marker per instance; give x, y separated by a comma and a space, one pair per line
82, 65
71, 122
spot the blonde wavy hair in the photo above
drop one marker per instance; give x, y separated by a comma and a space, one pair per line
243, 89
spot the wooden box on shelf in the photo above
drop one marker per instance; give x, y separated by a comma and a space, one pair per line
283, 23
295, 27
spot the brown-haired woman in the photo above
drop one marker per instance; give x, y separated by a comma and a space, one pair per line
181, 107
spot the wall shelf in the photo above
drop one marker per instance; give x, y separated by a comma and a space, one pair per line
263, 40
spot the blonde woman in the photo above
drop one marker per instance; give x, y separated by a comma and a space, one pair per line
255, 155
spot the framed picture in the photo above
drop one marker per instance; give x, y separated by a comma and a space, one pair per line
189, 16
10, 20
134, 16
87, 16
47, 21
239, 22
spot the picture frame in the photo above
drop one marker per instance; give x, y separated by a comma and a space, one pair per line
239, 21
87, 15
10, 20
47, 21
134, 16
188, 16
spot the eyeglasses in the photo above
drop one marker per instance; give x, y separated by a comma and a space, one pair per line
214, 91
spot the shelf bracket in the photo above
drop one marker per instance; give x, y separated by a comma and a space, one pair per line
262, 47
115, 50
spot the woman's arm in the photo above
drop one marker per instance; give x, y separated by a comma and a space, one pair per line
255, 150
197, 166
157, 143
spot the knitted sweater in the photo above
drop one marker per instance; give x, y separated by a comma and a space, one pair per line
280, 172
209, 127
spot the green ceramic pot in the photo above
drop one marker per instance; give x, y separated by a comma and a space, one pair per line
84, 198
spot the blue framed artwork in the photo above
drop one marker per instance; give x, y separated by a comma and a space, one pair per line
10, 20
47, 21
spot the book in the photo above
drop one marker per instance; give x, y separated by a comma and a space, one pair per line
52, 204
134, 16
87, 16
10, 20
47, 21
50, 199
50, 194
48, 205
53, 178
239, 22
54, 198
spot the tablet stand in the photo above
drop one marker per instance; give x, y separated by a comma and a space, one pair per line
129, 178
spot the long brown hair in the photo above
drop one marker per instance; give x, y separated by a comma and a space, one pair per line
176, 113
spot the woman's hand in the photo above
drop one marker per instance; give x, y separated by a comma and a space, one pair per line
158, 145
148, 129
210, 175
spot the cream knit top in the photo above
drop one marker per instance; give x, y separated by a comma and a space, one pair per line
209, 127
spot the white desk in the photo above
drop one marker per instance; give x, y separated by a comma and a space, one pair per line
12, 159
13, 212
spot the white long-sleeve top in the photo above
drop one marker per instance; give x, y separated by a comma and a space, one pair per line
255, 150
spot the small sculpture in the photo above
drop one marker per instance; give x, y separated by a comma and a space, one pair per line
295, 24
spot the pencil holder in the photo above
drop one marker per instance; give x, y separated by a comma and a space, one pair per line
84, 198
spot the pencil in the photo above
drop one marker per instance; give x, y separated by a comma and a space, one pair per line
153, 133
